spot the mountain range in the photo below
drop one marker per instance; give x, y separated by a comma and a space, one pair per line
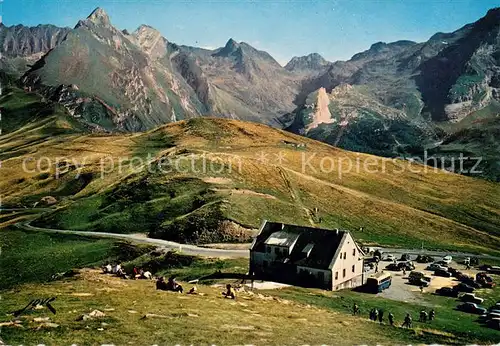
440, 97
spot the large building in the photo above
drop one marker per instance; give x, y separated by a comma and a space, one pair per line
306, 256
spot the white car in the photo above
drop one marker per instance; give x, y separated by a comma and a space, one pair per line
447, 259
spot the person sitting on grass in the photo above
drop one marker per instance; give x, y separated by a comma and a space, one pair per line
161, 284
172, 285
230, 293
107, 269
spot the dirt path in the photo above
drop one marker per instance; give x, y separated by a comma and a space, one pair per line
357, 193
294, 195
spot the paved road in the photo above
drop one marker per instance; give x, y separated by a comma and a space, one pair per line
224, 253
184, 248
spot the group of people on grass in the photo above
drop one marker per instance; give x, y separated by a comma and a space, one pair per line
378, 315
117, 270
172, 285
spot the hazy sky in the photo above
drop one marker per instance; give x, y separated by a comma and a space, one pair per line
335, 29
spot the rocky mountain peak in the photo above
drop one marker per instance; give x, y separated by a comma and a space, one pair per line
313, 61
99, 16
151, 41
229, 49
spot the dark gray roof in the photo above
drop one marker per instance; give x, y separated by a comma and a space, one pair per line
322, 243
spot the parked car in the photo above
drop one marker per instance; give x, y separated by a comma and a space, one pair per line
442, 272
447, 259
484, 280
390, 258
442, 263
424, 259
495, 307
471, 297
491, 315
452, 271
494, 270
406, 265
434, 266
418, 282
471, 282
419, 275
405, 257
494, 323
461, 287
447, 292
472, 308
393, 267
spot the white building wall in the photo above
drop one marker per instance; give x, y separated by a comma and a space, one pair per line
352, 258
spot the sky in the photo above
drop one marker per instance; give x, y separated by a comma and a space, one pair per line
336, 29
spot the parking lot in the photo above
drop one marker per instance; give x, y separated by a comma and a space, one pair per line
401, 290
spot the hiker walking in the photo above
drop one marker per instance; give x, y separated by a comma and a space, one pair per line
423, 316
432, 315
375, 315
355, 309
408, 321
404, 271
381, 316
391, 318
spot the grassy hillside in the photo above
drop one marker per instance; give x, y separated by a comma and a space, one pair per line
29, 257
259, 317
231, 171
175, 318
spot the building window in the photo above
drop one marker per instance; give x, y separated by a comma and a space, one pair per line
354, 252
336, 275
343, 273
345, 255
353, 268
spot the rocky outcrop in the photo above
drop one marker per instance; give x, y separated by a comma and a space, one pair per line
23, 41
312, 63
321, 113
22, 46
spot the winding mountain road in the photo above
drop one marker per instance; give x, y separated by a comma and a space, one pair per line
220, 253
